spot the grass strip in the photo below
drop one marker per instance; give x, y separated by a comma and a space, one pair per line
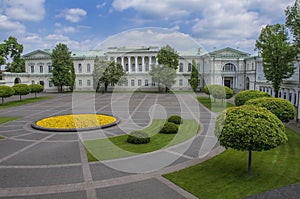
225, 176
117, 147
215, 105
24, 101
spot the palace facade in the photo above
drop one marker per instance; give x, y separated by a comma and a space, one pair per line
230, 67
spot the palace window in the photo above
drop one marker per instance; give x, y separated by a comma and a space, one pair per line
180, 82
80, 82
229, 67
79, 68
146, 82
181, 67
139, 82
32, 82
140, 68
50, 84
50, 69
88, 68
147, 67
41, 69
88, 82
32, 69
132, 82
189, 67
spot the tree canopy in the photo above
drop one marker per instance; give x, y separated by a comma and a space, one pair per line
164, 76
107, 73
36, 88
6, 91
277, 53
249, 128
293, 22
21, 89
167, 56
11, 49
63, 68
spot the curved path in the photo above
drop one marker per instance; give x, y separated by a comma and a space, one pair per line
40, 164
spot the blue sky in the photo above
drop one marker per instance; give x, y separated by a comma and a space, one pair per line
184, 24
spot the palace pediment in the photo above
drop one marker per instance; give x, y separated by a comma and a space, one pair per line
229, 53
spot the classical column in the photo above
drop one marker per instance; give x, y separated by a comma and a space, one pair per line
122, 62
135, 63
129, 64
143, 63
156, 60
115, 59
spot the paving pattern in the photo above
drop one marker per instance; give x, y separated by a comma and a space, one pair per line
40, 164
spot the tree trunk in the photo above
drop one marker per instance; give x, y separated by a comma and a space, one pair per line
105, 87
276, 93
35, 94
2, 100
20, 97
249, 162
61, 88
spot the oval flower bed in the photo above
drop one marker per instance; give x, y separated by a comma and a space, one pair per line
75, 122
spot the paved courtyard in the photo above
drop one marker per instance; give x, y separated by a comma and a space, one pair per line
40, 164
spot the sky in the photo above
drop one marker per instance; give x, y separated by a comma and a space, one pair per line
97, 24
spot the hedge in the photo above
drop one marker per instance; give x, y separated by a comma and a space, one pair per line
243, 96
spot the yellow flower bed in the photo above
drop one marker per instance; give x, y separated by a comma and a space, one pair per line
76, 121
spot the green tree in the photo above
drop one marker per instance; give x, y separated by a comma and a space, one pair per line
63, 68
277, 53
21, 89
194, 76
11, 49
36, 88
6, 91
99, 67
108, 74
164, 76
282, 108
167, 56
17, 66
249, 128
221, 92
293, 22
243, 96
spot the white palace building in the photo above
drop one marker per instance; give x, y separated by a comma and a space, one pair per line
230, 67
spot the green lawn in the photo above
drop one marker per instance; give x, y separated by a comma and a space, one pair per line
214, 105
24, 101
225, 176
117, 147
7, 119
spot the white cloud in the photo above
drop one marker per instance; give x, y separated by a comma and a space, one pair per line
73, 15
67, 29
8, 25
150, 37
30, 10
101, 5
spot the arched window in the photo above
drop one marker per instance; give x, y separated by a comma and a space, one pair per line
181, 67
229, 67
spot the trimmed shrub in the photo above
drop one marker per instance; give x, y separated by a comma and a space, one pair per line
138, 137
169, 128
242, 97
36, 88
218, 91
6, 91
176, 119
21, 89
283, 109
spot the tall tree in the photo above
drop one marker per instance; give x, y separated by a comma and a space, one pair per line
63, 68
99, 67
164, 76
293, 22
168, 56
108, 73
11, 49
277, 53
194, 76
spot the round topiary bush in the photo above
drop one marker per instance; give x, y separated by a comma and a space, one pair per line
283, 109
176, 119
169, 128
218, 91
242, 97
6, 91
36, 88
138, 137
21, 89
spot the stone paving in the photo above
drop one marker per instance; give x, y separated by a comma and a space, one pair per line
40, 164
